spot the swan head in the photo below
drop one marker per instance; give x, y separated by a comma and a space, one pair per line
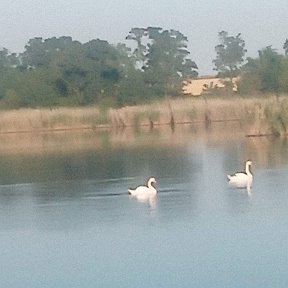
152, 181
248, 162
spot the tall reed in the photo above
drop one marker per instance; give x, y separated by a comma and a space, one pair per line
257, 115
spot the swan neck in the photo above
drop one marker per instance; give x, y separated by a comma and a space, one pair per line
150, 184
247, 169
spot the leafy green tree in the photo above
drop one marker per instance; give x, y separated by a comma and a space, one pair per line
93, 71
35, 54
130, 89
270, 69
7, 59
163, 55
229, 54
105, 70
40, 52
250, 77
167, 61
283, 77
61, 71
285, 47
84, 73
264, 71
30, 88
7, 63
70, 73
139, 35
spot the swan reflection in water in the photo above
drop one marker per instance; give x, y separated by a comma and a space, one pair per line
150, 200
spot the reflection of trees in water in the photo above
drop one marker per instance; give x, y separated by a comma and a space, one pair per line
146, 157
97, 164
268, 151
263, 151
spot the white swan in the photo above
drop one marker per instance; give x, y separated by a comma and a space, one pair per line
242, 179
144, 191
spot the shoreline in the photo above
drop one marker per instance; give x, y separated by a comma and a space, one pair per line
251, 113
71, 141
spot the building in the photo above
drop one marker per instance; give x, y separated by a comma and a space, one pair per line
202, 84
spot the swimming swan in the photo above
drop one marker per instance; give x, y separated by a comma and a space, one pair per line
144, 191
242, 179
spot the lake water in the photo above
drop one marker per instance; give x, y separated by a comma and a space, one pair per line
66, 219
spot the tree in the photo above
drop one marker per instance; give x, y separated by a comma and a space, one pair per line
8, 62
39, 52
285, 47
229, 54
264, 72
88, 71
250, 77
140, 52
163, 55
30, 88
7, 59
61, 71
270, 69
283, 78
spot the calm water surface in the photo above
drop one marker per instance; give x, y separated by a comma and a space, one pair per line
66, 219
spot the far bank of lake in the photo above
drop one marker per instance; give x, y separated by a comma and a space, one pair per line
256, 116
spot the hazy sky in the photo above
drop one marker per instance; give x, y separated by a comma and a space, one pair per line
261, 22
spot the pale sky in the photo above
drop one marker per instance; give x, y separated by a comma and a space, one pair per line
261, 22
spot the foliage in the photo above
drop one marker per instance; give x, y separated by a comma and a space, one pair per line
64, 72
267, 73
59, 71
283, 74
7, 62
285, 47
31, 88
229, 54
40, 53
162, 57
139, 53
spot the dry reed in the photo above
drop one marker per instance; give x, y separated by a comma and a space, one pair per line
248, 111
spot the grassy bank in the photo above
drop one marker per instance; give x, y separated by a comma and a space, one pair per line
257, 116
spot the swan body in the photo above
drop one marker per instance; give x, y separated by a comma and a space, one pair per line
242, 179
144, 191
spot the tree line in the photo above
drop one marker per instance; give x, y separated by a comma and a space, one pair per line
267, 73
64, 72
